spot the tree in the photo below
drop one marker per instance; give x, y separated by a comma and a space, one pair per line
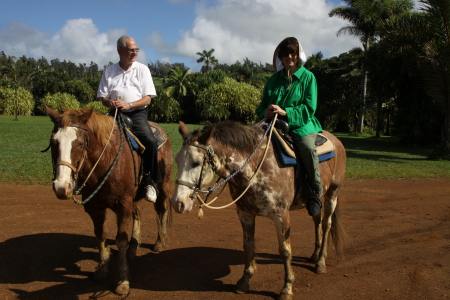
208, 59
425, 39
178, 84
364, 15
16, 101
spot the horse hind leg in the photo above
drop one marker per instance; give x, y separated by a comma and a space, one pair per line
329, 210
135, 240
124, 216
163, 218
282, 225
248, 227
317, 219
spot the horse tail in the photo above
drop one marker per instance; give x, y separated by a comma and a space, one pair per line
337, 231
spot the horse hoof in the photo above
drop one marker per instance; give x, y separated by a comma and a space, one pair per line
242, 287
285, 297
123, 288
320, 269
157, 247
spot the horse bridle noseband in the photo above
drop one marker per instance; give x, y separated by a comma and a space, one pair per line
208, 166
75, 170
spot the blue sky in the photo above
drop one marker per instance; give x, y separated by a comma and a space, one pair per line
168, 30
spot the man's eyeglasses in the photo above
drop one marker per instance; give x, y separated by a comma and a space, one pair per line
292, 52
133, 49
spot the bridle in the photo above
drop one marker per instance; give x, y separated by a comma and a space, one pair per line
75, 170
207, 167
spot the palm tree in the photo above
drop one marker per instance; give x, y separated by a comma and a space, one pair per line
208, 59
178, 84
427, 36
364, 16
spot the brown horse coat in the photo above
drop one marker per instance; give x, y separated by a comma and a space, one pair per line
83, 151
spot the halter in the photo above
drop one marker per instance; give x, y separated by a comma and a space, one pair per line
208, 164
75, 170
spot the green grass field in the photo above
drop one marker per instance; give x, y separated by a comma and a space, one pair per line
22, 162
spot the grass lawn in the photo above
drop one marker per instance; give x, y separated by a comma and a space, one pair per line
22, 162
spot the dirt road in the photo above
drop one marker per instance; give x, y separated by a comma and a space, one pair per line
398, 247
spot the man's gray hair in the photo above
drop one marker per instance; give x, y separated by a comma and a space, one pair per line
122, 41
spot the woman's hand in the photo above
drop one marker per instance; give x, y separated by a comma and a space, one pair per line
273, 109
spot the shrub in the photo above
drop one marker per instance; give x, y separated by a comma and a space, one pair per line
98, 106
16, 101
229, 100
59, 102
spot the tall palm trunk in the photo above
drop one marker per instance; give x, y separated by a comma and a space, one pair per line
363, 89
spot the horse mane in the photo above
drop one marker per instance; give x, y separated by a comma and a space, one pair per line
233, 134
98, 123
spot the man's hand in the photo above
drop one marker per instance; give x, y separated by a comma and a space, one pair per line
117, 103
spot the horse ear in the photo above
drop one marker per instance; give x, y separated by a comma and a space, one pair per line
86, 115
54, 116
182, 129
207, 135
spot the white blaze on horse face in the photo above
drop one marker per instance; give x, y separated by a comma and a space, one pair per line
189, 162
62, 184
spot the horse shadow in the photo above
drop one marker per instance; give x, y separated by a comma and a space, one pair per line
54, 258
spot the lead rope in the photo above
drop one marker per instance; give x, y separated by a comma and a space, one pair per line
111, 168
203, 203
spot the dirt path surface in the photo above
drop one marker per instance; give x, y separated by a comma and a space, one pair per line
398, 247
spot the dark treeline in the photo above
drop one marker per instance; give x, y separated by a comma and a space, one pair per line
396, 84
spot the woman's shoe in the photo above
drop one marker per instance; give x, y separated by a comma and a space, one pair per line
313, 205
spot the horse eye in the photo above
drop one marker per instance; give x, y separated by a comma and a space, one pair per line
196, 164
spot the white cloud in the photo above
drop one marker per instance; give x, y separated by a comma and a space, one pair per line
78, 41
237, 29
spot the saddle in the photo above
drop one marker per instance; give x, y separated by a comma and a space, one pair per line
135, 143
284, 145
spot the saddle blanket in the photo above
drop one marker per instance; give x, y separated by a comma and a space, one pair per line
287, 156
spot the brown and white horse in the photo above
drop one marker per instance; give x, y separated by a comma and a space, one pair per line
77, 142
223, 149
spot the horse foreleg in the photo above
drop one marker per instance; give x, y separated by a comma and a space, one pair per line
248, 227
282, 226
329, 207
98, 218
124, 216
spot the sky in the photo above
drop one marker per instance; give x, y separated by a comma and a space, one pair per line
85, 31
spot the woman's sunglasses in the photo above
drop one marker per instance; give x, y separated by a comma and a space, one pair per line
287, 52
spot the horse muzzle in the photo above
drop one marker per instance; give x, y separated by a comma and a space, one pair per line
63, 189
181, 201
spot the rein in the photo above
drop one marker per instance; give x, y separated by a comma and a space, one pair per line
111, 168
209, 159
